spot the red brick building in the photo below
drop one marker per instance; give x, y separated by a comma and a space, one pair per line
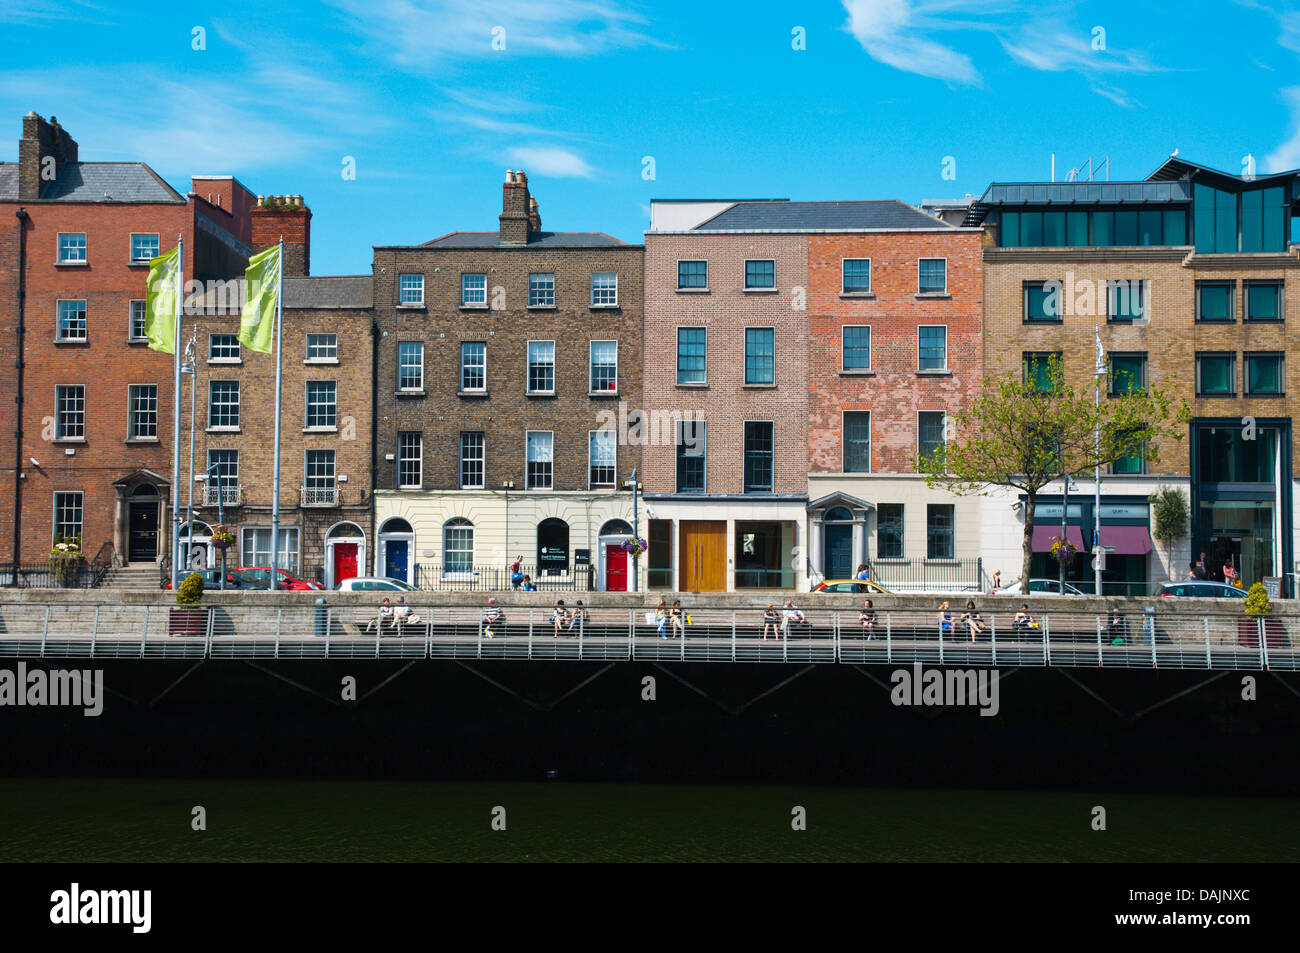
89, 454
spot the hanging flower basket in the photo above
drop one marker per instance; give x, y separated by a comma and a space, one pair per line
66, 560
634, 547
1063, 550
222, 538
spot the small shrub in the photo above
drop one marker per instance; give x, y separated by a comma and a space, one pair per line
1257, 600
191, 590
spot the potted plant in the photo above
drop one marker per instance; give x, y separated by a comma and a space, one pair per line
634, 547
189, 618
66, 559
1063, 550
222, 537
1258, 608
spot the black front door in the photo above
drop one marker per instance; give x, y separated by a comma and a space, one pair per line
144, 531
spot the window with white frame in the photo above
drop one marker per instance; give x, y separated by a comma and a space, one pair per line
760, 273
223, 405
223, 348
70, 421
856, 348
72, 247
932, 348
323, 348
473, 366
539, 459
471, 460
931, 432
257, 542
67, 515
856, 448
760, 355
410, 289
322, 404
318, 470
541, 291
137, 324
604, 367
692, 448
932, 276
692, 355
410, 460
223, 464
144, 411
72, 320
144, 246
410, 365
856, 276
604, 289
541, 367
602, 454
473, 290
693, 274
458, 545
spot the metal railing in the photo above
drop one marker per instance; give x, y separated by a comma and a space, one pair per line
318, 495
101, 564
49, 576
258, 629
434, 577
930, 575
229, 496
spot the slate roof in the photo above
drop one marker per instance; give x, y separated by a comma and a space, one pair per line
96, 182
792, 216
328, 291
539, 239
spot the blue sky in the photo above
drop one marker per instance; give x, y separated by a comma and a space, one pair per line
414, 91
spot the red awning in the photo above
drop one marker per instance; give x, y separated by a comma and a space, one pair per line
1043, 536
1126, 540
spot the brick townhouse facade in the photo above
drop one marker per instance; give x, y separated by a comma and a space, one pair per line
895, 348
89, 454
505, 361
326, 391
1189, 277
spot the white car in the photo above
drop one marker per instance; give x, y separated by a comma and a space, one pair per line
1040, 587
374, 584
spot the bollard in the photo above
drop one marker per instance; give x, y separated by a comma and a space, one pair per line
321, 618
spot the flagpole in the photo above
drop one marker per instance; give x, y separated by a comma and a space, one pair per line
176, 418
279, 361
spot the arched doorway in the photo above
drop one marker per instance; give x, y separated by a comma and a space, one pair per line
613, 565
142, 531
552, 548
196, 550
396, 544
345, 553
837, 543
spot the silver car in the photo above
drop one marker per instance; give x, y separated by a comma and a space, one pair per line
374, 584
1041, 587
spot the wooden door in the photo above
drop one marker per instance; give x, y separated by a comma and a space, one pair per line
345, 561
615, 568
703, 560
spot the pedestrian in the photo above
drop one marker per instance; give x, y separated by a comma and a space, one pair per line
1229, 573
790, 613
945, 620
516, 573
997, 580
492, 616
863, 574
527, 584
770, 622
1116, 628
1194, 573
1201, 568
867, 619
559, 617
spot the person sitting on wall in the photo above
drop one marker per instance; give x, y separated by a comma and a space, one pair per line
867, 619
677, 617
559, 618
770, 622
661, 618
790, 613
492, 616
579, 618
402, 615
1117, 628
972, 620
1023, 621
945, 621
383, 619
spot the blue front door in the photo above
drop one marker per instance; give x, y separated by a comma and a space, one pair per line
395, 555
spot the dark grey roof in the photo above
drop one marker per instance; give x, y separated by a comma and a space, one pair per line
1175, 168
883, 214
328, 291
109, 182
9, 181
540, 239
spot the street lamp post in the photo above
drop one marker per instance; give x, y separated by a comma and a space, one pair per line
635, 484
508, 486
1098, 553
221, 511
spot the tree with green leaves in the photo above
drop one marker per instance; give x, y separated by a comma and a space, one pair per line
1025, 430
1169, 519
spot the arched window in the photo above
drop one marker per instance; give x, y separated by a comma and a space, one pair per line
395, 525
616, 528
145, 489
838, 514
352, 530
457, 545
552, 547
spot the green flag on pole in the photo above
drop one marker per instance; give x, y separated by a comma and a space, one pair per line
257, 321
160, 301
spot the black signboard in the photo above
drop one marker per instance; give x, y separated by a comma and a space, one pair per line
582, 557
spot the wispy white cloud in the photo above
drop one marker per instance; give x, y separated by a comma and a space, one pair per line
1287, 156
419, 35
551, 161
892, 32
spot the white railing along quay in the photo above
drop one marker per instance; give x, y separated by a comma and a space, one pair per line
1083, 640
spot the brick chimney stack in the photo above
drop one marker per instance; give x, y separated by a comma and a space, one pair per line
516, 220
41, 142
534, 216
286, 215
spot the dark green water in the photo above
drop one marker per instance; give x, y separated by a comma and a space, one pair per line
93, 820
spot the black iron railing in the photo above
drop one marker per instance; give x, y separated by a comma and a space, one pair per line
435, 577
101, 564
47, 576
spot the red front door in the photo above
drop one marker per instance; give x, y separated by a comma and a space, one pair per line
345, 561
615, 569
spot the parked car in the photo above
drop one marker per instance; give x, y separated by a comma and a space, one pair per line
852, 586
1041, 587
292, 583
235, 579
1202, 590
374, 584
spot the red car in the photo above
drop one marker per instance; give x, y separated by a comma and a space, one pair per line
292, 583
